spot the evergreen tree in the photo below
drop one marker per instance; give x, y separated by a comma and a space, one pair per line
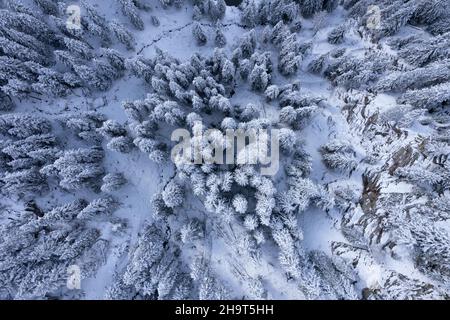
18, 51
122, 34
92, 78
339, 155
119, 290
47, 6
16, 88
23, 182
25, 22
23, 125
191, 231
310, 7
79, 48
196, 13
121, 144
159, 207
77, 168
52, 83
172, 194
153, 269
210, 288
112, 128
415, 79
330, 5
340, 282
199, 34
248, 16
316, 65
33, 151
216, 9
67, 59
168, 112
130, 10
288, 257
247, 44
6, 104
97, 24
259, 79
84, 124
113, 182
220, 39
288, 140
98, 208
245, 68
24, 39
421, 52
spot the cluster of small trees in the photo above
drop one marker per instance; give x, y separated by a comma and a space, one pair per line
338, 154
213, 9
400, 223
39, 246
425, 73
97, 74
37, 252
423, 79
84, 124
28, 147
33, 151
209, 285
113, 182
79, 168
181, 91
241, 194
43, 56
222, 192
32, 48
272, 12
296, 107
130, 10
290, 55
302, 192
389, 284
419, 51
187, 92
154, 270
396, 14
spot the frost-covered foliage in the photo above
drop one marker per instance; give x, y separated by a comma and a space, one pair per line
77, 168
38, 251
84, 124
113, 182
339, 155
154, 270
353, 97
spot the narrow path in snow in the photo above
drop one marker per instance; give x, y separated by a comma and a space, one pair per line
167, 32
